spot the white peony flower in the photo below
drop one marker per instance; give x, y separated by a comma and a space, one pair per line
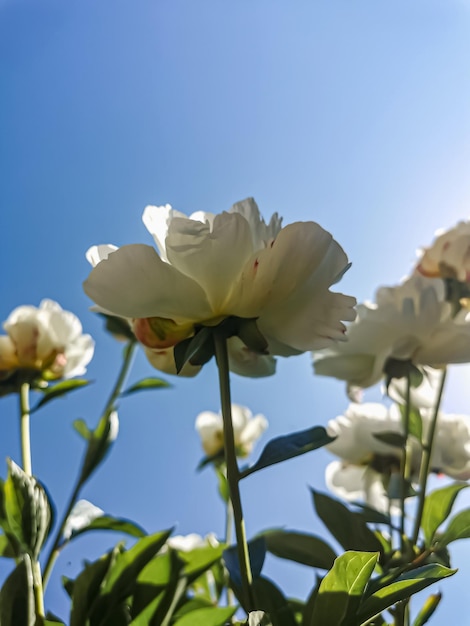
366, 462
211, 267
81, 516
247, 429
449, 254
47, 339
186, 543
409, 322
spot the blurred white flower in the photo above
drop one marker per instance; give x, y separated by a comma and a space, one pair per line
47, 339
423, 396
409, 322
82, 514
211, 267
247, 429
449, 254
186, 543
368, 465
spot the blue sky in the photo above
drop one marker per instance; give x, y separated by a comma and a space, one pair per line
352, 114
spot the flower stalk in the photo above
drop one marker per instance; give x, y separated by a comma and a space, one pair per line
426, 458
233, 472
25, 428
109, 407
405, 467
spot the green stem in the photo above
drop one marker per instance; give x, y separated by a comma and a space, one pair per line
25, 429
426, 458
405, 462
38, 589
228, 541
109, 407
233, 472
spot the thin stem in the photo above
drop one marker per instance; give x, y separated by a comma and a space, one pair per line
25, 429
405, 462
109, 407
233, 472
38, 589
228, 541
426, 458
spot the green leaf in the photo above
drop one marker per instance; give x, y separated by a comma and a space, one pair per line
213, 616
17, 596
60, 389
415, 426
99, 442
300, 547
27, 509
82, 429
251, 336
128, 564
145, 384
197, 350
107, 522
437, 508
402, 588
392, 438
270, 599
86, 587
199, 560
290, 446
6, 549
428, 609
348, 528
457, 528
340, 592
222, 485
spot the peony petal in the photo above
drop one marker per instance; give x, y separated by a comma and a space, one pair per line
157, 219
135, 282
210, 427
164, 361
8, 357
96, 254
253, 431
213, 259
241, 415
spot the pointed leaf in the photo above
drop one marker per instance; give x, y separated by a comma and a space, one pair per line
428, 609
458, 528
402, 588
300, 547
199, 560
82, 429
17, 596
437, 508
392, 438
146, 383
290, 446
201, 345
340, 592
213, 616
415, 425
270, 599
348, 528
118, 327
107, 522
60, 389
99, 442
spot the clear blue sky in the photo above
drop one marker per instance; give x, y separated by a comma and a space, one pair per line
355, 114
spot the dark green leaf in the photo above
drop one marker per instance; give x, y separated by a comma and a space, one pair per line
107, 522
251, 336
428, 609
342, 589
348, 528
146, 383
17, 596
437, 508
270, 599
213, 616
290, 446
457, 528
118, 327
197, 350
371, 515
299, 547
6, 549
392, 438
60, 389
402, 588
27, 509
86, 588
257, 553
